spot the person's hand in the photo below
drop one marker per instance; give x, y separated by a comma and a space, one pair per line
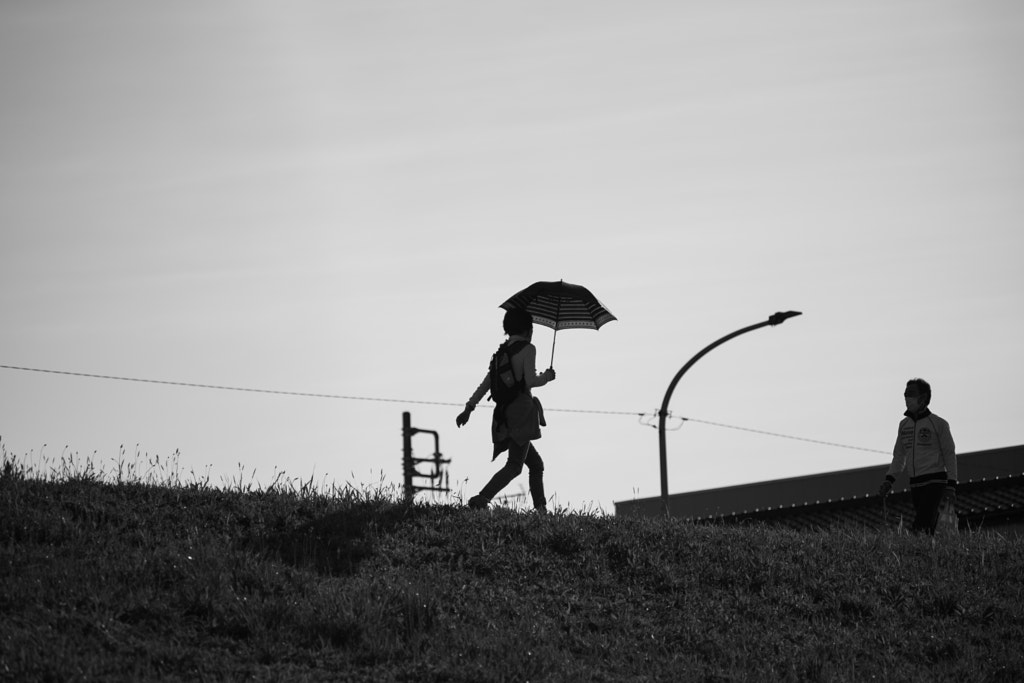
549, 374
885, 488
949, 496
463, 417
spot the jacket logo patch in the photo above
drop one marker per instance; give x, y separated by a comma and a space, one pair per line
924, 435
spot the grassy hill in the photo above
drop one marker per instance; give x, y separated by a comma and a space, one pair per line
136, 581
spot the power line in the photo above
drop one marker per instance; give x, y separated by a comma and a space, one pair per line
195, 385
784, 436
305, 394
279, 392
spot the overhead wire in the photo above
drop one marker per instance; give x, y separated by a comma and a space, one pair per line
783, 436
196, 385
305, 394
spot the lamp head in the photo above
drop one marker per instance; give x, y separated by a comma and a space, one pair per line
780, 317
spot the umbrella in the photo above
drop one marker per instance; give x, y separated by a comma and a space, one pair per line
561, 306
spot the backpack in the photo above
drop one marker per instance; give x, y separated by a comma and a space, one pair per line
504, 387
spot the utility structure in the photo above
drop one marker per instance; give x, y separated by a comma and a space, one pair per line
437, 478
775, 319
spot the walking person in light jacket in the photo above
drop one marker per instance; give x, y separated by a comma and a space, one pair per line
925, 447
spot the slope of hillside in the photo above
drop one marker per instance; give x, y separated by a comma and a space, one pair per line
131, 582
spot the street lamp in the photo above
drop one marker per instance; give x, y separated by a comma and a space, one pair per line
776, 319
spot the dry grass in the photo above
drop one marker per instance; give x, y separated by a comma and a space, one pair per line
138, 575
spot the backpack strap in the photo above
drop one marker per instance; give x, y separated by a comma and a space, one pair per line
509, 349
512, 348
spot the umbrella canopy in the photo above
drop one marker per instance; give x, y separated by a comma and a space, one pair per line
561, 306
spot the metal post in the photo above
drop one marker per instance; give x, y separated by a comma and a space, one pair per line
408, 469
775, 319
438, 477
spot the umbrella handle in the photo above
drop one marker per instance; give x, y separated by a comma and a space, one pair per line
558, 312
553, 337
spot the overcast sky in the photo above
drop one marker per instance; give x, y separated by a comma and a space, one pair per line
335, 197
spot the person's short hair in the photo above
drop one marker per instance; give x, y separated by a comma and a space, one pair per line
924, 390
517, 321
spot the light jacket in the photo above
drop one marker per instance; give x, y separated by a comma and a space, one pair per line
925, 448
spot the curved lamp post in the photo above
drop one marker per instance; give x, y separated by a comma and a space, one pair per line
776, 319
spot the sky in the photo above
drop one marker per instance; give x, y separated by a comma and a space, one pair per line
335, 197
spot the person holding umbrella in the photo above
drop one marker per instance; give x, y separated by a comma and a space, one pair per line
517, 415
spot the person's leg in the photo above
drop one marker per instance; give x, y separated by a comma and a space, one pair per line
935, 492
536, 467
512, 469
919, 499
926, 506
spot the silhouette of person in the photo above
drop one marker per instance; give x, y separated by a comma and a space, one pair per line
925, 446
516, 422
